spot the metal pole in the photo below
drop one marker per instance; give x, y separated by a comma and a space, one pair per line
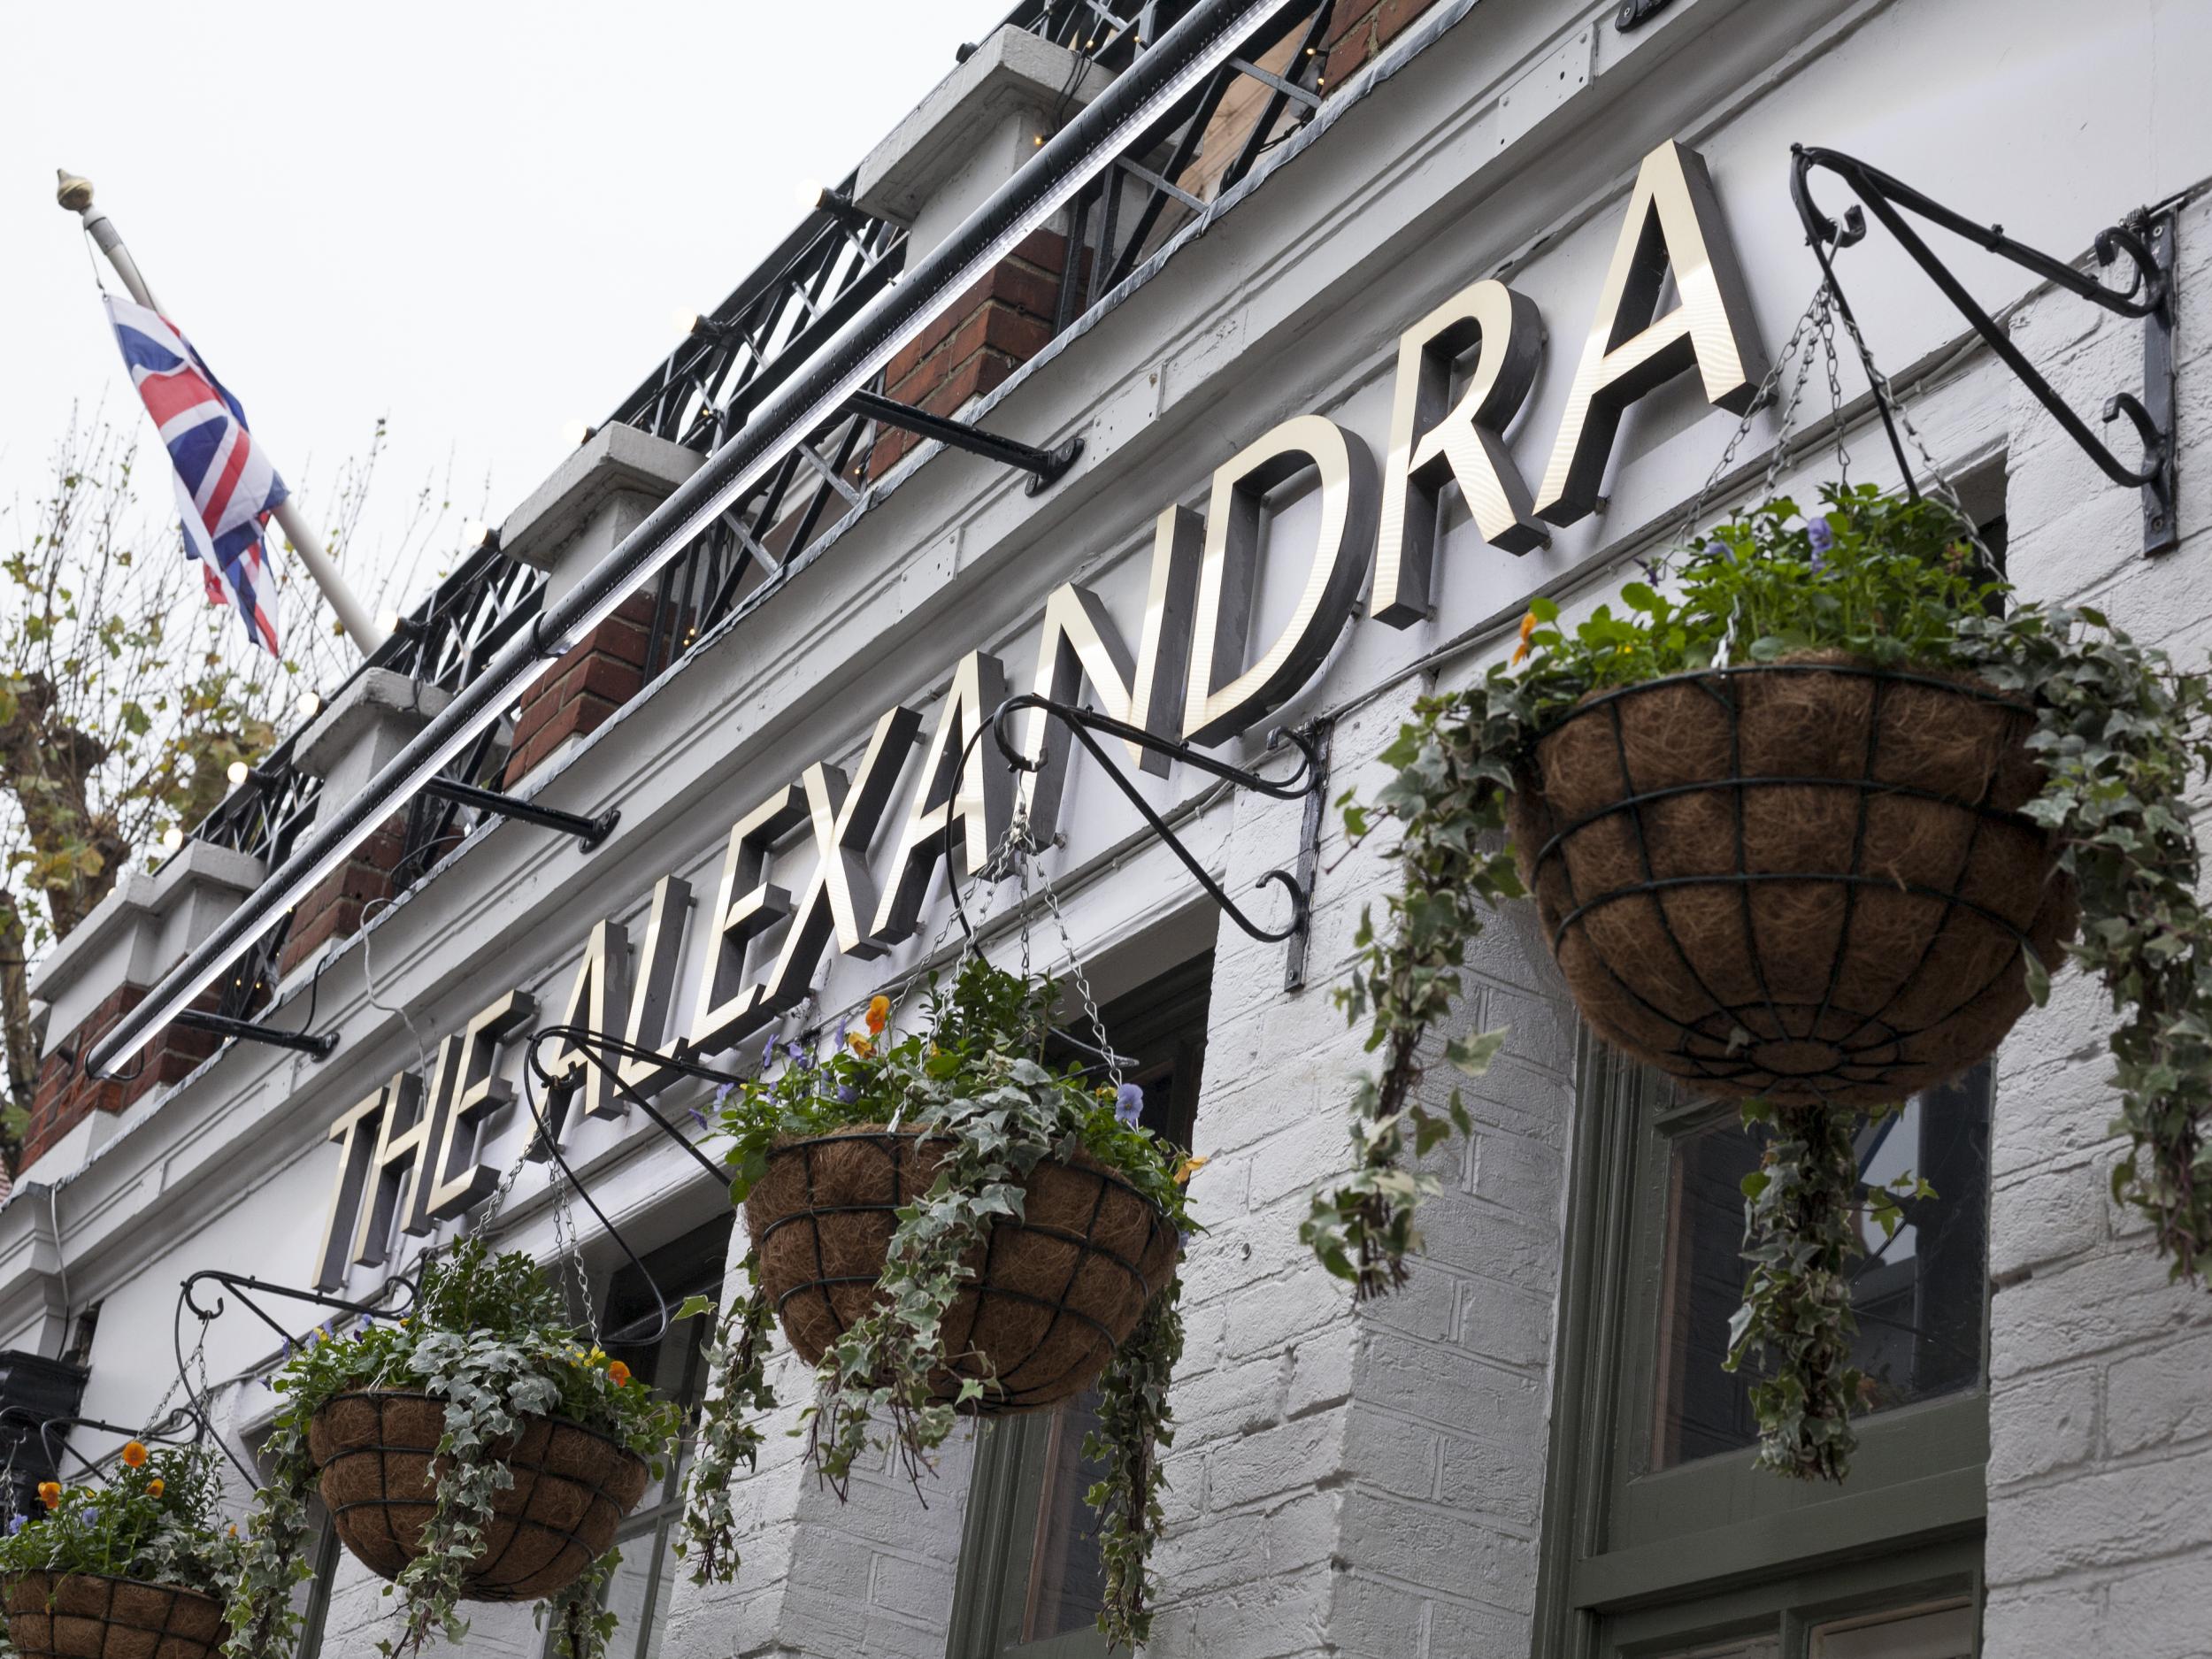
1173, 68
75, 195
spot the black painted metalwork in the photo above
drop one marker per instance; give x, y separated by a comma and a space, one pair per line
2147, 237
1045, 467
1634, 14
1082, 723
588, 832
1310, 825
321, 1045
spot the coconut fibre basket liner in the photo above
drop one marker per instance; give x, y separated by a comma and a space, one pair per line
376, 1452
1052, 1296
88, 1616
1806, 880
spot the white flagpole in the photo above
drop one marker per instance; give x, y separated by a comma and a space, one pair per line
75, 195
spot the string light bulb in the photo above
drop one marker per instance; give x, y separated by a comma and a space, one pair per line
476, 534
171, 838
237, 772
311, 705
578, 432
687, 319
809, 191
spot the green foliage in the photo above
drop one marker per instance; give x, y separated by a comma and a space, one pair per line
2120, 736
975, 1079
728, 1431
156, 1522
488, 1335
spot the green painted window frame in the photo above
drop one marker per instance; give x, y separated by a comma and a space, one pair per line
1160, 1024
1626, 1567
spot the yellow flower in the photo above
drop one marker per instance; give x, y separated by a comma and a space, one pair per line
50, 1494
861, 1046
1528, 627
879, 1013
1189, 1167
599, 1356
154, 1487
617, 1373
233, 1528
135, 1454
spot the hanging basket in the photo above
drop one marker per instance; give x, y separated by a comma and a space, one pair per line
376, 1452
1809, 880
1053, 1294
88, 1616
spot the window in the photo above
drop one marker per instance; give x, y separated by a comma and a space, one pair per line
675, 1364
1030, 1581
1662, 1542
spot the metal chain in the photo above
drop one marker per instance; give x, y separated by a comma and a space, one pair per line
1764, 395
1083, 988
1835, 390
1779, 455
1942, 487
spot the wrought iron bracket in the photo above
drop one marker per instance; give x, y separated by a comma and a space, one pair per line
1306, 782
1634, 14
1045, 467
2147, 237
320, 1045
588, 832
245, 1287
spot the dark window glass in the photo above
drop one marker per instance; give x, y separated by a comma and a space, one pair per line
1918, 1294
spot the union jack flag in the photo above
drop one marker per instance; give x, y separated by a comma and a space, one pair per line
225, 488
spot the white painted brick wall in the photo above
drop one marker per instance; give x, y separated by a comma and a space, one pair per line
2101, 1411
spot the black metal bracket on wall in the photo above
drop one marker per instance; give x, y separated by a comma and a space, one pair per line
1306, 783
588, 832
318, 1045
2146, 236
1045, 467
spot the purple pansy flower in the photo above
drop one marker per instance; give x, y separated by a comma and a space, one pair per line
847, 1094
1823, 537
1128, 1105
702, 1117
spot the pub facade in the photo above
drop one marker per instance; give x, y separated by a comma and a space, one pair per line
1384, 322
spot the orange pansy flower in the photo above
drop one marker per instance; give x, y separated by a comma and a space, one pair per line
155, 1487
50, 1494
134, 1454
879, 1013
1528, 628
617, 1373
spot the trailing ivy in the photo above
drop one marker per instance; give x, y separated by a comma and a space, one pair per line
2120, 736
976, 1085
727, 1432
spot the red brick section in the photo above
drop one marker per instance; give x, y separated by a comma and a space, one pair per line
575, 696
1360, 30
978, 341
332, 910
66, 1096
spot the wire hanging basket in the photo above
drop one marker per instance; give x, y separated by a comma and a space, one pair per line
1807, 880
1050, 1296
90, 1616
376, 1455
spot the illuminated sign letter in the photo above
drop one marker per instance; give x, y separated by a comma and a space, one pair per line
355, 1131
598, 997
393, 1170
1228, 577
839, 898
1674, 224
473, 1091
744, 907
969, 804
1080, 642
654, 987
1429, 448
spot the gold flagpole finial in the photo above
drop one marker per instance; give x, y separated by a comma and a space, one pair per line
72, 192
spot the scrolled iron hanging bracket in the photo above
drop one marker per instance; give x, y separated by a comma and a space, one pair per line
2147, 237
1309, 780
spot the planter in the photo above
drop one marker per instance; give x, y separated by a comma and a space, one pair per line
376, 1454
1805, 880
1053, 1294
85, 1615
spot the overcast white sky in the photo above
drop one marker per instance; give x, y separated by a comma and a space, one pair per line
473, 219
